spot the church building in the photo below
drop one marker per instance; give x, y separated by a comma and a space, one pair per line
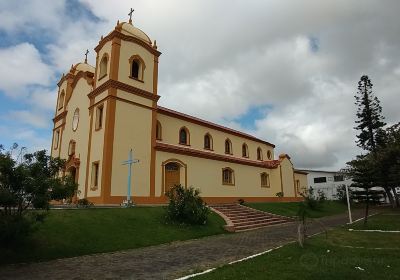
105, 111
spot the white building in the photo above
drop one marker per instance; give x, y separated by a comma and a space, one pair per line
329, 181
326, 181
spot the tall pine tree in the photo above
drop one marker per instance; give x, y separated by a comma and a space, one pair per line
369, 117
370, 124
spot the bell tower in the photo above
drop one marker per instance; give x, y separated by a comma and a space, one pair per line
124, 102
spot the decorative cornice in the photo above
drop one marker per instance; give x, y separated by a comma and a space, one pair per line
122, 86
118, 34
81, 74
175, 114
210, 155
64, 78
60, 116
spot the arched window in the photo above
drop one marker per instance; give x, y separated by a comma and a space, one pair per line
137, 67
71, 148
228, 147
259, 154
158, 131
245, 150
61, 100
265, 180
269, 154
228, 176
184, 136
208, 142
103, 66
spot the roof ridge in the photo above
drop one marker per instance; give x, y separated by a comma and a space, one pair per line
231, 130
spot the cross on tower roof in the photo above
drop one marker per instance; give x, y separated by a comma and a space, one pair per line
130, 15
86, 53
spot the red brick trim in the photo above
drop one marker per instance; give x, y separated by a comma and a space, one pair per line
210, 155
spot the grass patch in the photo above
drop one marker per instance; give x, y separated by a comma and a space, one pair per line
388, 220
68, 233
324, 258
290, 209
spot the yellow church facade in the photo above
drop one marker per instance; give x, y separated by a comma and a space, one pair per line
103, 112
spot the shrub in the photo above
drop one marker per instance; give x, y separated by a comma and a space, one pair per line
279, 194
341, 194
311, 200
15, 228
83, 203
321, 196
186, 206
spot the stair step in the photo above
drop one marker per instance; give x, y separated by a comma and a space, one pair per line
245, 215
254, 223
255, 220
255, 226
244, 218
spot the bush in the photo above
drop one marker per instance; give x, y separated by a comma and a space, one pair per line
83, 203
186, 206
341, 194
311, 200
279, 194
321, 196
15, 228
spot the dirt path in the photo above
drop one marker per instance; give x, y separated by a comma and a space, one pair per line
169, 260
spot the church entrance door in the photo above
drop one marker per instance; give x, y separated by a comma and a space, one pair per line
172, 175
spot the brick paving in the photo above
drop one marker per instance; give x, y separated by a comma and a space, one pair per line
167, 261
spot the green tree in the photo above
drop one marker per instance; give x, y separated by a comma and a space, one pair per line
387, 162
363, 173
369, 116
371, 135
29, 183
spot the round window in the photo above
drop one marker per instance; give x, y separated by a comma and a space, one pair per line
75, 119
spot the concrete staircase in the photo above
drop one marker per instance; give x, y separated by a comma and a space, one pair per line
241, 218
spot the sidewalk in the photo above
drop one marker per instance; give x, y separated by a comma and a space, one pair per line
168, 261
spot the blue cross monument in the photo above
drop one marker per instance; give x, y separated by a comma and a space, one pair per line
129, 162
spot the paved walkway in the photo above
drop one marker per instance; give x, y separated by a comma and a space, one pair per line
167, 261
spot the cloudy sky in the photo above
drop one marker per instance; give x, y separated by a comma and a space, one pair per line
285, 71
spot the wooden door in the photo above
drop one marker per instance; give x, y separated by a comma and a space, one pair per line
172, 175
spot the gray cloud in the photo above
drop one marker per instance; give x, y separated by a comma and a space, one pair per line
222, 58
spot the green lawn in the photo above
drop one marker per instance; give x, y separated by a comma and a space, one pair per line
334, 257
290, 208
67, 233
388, 220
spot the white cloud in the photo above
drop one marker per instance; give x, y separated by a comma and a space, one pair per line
22, 66
35, 119
222, 58
43, 99
25, 137
28, 15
